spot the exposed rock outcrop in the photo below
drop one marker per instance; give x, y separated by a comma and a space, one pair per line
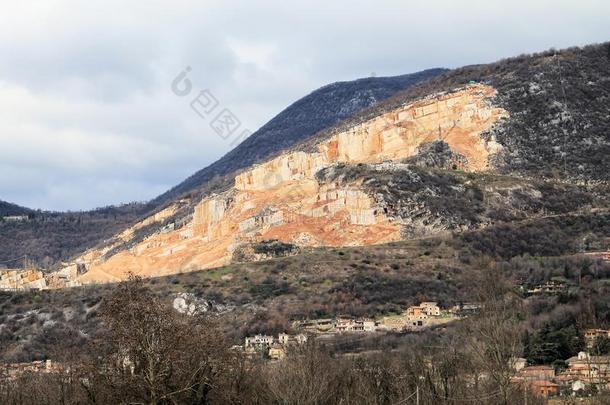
282, 199
437, 154
456, 118
263, 250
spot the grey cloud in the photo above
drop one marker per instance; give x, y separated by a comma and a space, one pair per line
87, 116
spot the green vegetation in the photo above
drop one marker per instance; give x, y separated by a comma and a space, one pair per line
49, 237
149, 353
265, 297
430, 200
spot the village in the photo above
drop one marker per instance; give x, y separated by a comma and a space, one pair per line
413, 319
585, 374
269, 346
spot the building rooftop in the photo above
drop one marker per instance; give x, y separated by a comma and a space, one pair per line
539, 367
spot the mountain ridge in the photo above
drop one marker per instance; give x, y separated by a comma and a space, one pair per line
94, 227
490, 117
10, 209
577, 76
293, 124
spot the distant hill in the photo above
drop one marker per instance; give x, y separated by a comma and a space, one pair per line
319, 110
47, 237
8, 209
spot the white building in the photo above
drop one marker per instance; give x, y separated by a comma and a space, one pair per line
259, 341
285, 339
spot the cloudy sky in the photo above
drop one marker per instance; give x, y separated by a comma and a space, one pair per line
88, 117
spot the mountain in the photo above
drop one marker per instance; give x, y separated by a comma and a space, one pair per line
514, 140
485, 182
52, 236
319, 110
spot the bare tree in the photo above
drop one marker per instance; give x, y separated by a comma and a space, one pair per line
152, 354
494, 336
307, 376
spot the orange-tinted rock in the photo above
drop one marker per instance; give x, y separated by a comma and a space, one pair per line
281, 199
457, 118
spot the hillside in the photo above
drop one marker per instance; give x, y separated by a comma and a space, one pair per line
50, 237
373, 281
321, 109
480, 119
557, 101
281, 198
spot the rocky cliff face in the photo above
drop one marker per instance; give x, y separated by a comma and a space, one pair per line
283, 200
457, 118
317, 111
557, 129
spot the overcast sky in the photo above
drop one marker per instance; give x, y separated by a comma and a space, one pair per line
88, 116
